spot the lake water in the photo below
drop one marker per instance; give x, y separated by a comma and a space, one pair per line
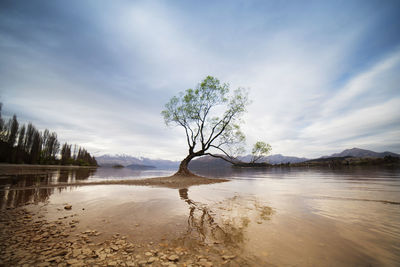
280, 216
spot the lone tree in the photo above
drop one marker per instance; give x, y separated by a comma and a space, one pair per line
210, 115
259, 151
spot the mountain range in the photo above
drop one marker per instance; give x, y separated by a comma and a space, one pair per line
135, 162
211, 162
208, 162
362, 153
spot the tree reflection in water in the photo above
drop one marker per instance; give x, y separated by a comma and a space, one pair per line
224, 223
17, 190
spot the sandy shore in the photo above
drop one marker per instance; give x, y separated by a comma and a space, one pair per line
176, 182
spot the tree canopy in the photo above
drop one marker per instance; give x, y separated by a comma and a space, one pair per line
260, 150
210, 115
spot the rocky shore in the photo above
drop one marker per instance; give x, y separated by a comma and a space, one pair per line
27, 238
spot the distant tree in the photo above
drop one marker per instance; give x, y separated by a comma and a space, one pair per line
3, 127
45, 136
74, 155
79, 156
1, 120
260, 150
30, 131
35, 148
50, 146
13, 130
21, 136
66, 154
53, 145
210, 116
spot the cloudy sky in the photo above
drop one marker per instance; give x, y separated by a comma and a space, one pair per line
323, 75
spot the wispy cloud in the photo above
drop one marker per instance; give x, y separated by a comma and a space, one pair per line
323, 77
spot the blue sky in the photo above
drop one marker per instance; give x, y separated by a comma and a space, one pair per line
323, 75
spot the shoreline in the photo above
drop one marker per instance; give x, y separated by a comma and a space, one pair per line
175, 182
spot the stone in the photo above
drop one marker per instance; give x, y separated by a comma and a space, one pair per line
87, 251
102, 256
72, 261
151, 259
206, 264
142, 263
68, 207
228, 257
76, 253
173, 257
43, 264
120, 242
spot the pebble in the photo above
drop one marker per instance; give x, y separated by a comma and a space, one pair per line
151, 259
173, 258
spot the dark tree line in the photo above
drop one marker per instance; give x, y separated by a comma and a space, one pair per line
30, 146
79, 156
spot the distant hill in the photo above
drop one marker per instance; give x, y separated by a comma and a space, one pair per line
126, 160
276, 159
361, 153
354, 157
208, 162
140, 167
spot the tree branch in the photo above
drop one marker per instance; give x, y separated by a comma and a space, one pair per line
202, 126
220, 157
226, 123
223, 151
187, 134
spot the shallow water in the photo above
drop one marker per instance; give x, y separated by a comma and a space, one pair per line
299, 216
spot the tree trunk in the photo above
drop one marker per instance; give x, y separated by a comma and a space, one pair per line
183, 167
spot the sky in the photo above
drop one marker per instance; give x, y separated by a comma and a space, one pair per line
323, 76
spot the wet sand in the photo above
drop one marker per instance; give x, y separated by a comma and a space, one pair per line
129, 233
